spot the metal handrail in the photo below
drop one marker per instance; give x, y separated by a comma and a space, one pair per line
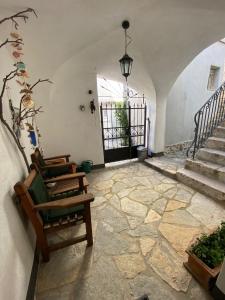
207, 118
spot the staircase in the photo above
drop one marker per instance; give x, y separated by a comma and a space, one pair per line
205, 170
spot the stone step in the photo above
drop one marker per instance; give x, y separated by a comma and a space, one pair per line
219, 132
161, 166
206, 168
210, 187
211, 155
216, 143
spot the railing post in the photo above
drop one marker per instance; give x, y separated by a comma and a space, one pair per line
102, 125
129, 124
196, 136
145, 108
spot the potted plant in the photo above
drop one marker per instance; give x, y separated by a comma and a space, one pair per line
206, 255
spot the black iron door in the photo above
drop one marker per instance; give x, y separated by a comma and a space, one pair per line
123, 130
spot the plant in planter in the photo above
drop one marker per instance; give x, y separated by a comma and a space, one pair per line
122, 118
206, 256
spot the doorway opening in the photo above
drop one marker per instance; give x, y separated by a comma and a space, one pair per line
123, 120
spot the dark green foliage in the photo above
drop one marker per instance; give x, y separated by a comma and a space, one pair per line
122, 118
211, 249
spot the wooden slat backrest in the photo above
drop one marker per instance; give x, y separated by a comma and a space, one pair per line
38, 153
35, 157
21, 189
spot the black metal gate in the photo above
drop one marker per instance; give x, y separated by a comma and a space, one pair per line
123, 130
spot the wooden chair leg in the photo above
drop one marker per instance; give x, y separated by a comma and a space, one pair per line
73, 168
88, 224
45, 254
43, 245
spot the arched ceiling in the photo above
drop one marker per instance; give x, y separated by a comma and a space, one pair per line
167, 34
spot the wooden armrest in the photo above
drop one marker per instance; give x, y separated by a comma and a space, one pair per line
58, 156
59, 165
55, 161
66, 202
66, 177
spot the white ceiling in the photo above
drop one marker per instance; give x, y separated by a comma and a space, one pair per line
167, 34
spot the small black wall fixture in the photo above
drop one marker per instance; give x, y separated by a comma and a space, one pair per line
92, 103
126, 61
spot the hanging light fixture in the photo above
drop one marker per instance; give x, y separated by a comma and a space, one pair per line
126, 61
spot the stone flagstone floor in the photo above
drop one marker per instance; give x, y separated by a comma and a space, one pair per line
142, 224
169, 163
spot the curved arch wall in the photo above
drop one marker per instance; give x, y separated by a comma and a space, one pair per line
167, 35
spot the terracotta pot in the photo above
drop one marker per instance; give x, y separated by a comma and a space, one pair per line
202, 273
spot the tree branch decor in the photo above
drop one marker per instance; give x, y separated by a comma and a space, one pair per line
24, 14
20, 15
26, 107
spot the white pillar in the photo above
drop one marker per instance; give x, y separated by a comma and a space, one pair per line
159, 128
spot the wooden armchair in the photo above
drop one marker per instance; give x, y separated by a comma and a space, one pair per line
64, 183
53, 166
49, 214
54, 159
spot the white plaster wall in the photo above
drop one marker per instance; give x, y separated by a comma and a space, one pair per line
16, 236
65, 128
190, 92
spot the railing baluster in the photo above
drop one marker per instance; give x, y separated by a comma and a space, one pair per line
200, 128
208, 123
216, 101
221, 106
214, 105
196, 134
207, 119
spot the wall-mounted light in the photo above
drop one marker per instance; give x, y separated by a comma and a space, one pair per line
82, 107
92, 103
126, 61
92, 106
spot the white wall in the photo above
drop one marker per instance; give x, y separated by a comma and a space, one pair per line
190, 92
16, 237
65, 128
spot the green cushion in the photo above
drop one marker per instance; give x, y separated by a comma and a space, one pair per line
38, 190
56, 214
57, 171
39, 193
65, 195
